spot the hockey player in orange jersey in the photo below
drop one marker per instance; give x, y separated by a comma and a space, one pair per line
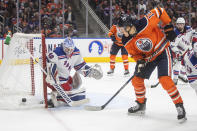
142, 38
116, 36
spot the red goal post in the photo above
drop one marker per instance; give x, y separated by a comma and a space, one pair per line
21, 75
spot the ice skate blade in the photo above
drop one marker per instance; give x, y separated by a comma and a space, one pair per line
183, 120
139, 113
110, 74
127, 75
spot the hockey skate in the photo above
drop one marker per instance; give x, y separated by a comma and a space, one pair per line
126, 73
138, 109
110, 72
184, 79
181, 112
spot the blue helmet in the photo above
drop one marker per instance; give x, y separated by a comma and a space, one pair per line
68, 46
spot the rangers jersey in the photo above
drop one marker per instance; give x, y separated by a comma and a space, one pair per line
190, 63
64, 64
183, 40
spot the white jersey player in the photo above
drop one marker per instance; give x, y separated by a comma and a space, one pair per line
179, 47
190, 63
59, 64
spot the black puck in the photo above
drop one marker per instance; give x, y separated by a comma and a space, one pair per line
24, 100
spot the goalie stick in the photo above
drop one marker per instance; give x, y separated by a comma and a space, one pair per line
99, 108
57, 86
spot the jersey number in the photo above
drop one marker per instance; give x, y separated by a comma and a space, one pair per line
149, 15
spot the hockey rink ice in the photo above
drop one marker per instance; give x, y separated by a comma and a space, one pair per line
161, 114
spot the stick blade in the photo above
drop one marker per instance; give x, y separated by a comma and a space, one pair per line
155, 85
93, 108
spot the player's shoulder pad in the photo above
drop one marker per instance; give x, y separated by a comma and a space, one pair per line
59, 51
188, 28
76, 51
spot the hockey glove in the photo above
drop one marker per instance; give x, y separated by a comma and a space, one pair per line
169, 31
113, 38
96, 72
140, 66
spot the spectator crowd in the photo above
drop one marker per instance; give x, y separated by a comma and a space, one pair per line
51, 17
52, 14
175, 9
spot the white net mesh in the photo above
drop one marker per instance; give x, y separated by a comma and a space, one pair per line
20, 76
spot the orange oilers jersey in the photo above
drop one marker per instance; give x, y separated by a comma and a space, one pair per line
149, 37
114, 30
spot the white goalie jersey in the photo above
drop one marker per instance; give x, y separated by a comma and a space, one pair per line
190, 63
183, 41
59, 64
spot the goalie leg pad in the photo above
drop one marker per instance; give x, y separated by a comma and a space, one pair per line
75, 95
76, 81
78, 95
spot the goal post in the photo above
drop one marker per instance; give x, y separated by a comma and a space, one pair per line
22, 82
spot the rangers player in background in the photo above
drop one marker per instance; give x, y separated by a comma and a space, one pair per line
190, 64
179, 47
115, 34
143, 38
59, 65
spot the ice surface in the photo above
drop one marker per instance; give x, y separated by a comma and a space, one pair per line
160, 114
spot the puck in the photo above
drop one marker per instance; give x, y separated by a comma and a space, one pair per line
24, 100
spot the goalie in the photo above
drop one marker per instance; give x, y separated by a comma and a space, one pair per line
59, 64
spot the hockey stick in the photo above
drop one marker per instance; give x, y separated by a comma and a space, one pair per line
154, 85
98, 108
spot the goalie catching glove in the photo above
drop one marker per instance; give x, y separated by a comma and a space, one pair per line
96, 72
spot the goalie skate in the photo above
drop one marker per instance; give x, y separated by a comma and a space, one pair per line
138, 109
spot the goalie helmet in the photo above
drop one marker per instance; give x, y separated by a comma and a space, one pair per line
194, 45
68, 46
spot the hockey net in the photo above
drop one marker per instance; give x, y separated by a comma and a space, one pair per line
22, 83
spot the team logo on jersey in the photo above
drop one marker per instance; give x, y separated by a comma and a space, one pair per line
144, 44
96, 46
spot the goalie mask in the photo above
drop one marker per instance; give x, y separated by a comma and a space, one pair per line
194, 46
68, 46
